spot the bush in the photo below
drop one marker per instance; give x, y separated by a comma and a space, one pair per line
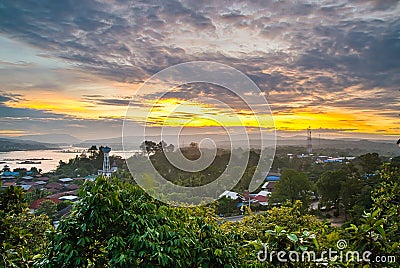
118, 225
47, 207
63, 204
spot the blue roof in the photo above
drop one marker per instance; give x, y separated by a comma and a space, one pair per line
26, 187
106, 149
273, 178
333, 161
11, 173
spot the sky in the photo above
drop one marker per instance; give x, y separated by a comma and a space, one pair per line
74, 66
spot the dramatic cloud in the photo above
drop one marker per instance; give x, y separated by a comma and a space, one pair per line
314, 60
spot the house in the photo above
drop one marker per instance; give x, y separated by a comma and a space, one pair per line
9, 183
72, 186
27, 182
52, 190
71, 198
54, 185
64, 212
273, 178
114, 169
27, 188
269, 186
91, 177
65, 180
10, 174
333, 160
35, 204
56, 197
230, 194
262, 197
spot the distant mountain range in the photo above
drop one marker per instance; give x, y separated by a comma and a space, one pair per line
7, 145
60, 139
351, 145
50, 141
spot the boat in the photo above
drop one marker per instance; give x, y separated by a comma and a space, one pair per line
29, 162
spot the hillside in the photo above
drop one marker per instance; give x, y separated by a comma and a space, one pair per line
7, 145
346, 146
65, 139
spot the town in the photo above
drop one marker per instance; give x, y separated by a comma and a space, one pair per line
54, 193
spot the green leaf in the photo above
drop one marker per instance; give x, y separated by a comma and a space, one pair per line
292, 237
381, 231
303, 248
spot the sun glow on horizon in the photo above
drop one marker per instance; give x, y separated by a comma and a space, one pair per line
179, 112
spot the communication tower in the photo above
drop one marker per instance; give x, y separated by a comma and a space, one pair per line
309, 142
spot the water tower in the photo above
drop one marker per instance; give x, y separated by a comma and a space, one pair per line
106, 162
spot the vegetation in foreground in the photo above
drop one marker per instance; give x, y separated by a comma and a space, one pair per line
115, 224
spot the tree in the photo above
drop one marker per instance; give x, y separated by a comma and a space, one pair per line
369, 162
150, 147
47, 207
35, 195
118, 225
395, 162
293, 185
12, 200
22, 171
227, 206
379, 230
63, 204
194, 145
350, 191
22, 234
162, 145
6, 168
34, 170
329, 187
23, 238
93, 152
284, 228
170, 148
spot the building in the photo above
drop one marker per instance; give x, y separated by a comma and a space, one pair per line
71, 198
65, 180
10, 174
106, 171
269, 186
27, 188
309, 141
230, 194
262, 197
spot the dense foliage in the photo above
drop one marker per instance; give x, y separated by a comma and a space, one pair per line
116, 224
292, 186
83, 165
22, 234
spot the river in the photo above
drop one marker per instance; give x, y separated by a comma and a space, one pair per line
48, 159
